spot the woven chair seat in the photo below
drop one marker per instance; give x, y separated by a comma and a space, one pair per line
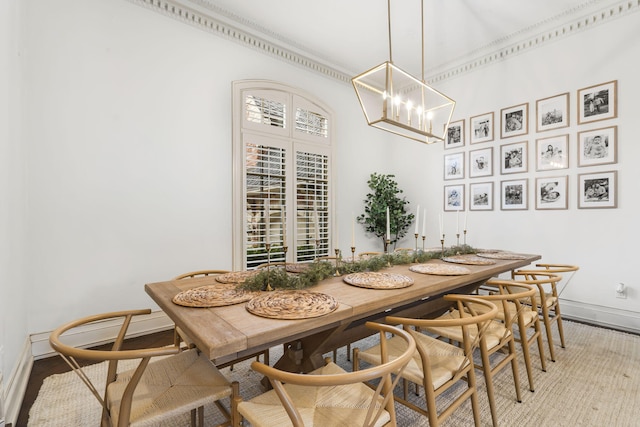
446, 359
318, 406
167, 385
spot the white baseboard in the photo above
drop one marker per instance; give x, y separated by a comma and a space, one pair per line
606, 317
17, 385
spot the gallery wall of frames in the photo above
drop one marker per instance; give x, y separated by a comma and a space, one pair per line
494, 149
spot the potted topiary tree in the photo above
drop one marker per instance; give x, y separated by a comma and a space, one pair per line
385, 193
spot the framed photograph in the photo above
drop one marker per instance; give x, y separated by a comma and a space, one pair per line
454, 166
454, 197
597, 190
597, 147
514, 194
481, 196
481, 128
481, 162
455, 135
551, 192
514, 121
513, 157
552, 153
597, 102
552, 112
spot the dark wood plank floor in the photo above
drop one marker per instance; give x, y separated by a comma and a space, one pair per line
55, 365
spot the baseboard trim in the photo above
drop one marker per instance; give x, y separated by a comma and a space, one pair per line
17, 384
607, 317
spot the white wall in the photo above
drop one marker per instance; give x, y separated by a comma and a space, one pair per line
600, 241
127, 142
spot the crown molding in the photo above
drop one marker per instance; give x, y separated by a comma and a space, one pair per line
206, 16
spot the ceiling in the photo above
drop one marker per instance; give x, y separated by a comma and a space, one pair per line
352, 35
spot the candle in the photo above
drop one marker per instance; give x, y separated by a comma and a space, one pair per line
441, 220
465, 220
266, 221
457, 221
424, 222
284, 227
353, 230
388, 225
417, 218
316, 225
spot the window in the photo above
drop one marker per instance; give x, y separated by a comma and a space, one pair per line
282, 175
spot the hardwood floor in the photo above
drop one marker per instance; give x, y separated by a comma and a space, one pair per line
55, 365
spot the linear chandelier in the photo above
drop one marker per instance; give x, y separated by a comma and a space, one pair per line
395, 101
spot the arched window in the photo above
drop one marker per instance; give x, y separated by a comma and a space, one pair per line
282, 186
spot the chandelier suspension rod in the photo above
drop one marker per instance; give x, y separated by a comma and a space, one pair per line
389, 27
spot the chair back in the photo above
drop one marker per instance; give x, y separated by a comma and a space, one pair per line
513, 297
388, 372
72, 354
200, 273
475, 316
540, 279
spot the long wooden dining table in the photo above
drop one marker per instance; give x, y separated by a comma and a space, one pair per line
231, 332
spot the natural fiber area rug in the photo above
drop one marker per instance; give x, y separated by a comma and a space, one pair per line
595, 381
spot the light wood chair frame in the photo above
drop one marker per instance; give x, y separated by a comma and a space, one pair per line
71, 355
389, 373
479, 314
548, 302
522, 306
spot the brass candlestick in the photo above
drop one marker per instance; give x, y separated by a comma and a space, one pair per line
285, 248
353, 254
465, 236
337, 252
423, 239
388, 256
457, 239
442, 245
268, 248
416, 234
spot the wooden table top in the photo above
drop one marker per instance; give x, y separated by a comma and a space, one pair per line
230, 331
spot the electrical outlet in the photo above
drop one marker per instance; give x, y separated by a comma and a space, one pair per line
621, 291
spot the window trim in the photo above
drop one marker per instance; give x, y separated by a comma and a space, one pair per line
295, 97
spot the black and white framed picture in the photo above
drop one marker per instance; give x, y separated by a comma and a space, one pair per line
552, 112
481, 196
597, 146
551, 192
514, 194
454, 197
597, 190
481, 162
514, 121
552, 153
481, 128
513, 157
455, 135
454, 166
598, 102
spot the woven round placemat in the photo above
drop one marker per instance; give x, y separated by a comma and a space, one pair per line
468, 259
217, 295
440, 269
291, 304
501, 255
298, 267
377, 280
236, 276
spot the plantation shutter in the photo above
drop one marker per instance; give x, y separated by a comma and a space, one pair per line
285, 175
